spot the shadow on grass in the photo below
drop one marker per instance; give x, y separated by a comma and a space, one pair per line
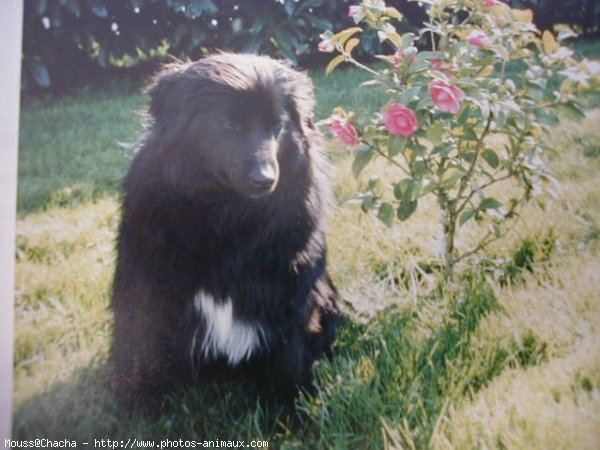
84, 409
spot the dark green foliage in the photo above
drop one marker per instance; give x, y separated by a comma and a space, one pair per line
524, 255
587, 385
532, 351
592, 234
72, 41
529, 252
593, 151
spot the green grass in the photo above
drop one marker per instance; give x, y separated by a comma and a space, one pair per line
509, 362
75, 150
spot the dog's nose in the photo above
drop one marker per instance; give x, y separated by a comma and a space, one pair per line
263, 178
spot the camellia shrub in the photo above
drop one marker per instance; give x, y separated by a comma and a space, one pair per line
464, 117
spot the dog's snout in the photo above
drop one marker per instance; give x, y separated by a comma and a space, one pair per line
263, 177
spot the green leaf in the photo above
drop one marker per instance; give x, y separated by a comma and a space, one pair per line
40, 6
344, 35
469, 156
318, 22
334, 63
407, 96
396, 145
98, 8
290, 7
286, 44
404, 189
451, 176
491, 158
40, 73
434, 133
500, 51
419, 168
386, 214
418, 66
442, 150
395, 38
408, 39
351, 44
73, 6
547, 117
490, 203
430, 55
103, 57
496, 229
393, 13
406, 210
373, 182
572, 111
368, 202
362, 158
465, 216
424, 103
463, 117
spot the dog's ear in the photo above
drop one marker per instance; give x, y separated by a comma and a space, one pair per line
164, 92
301, 100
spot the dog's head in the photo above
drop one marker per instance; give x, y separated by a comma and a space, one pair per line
232, 118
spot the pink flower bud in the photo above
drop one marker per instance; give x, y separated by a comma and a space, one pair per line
491, 3
400, 120
446, 96
478, 39
355, 11
409, 54
437, 64
344, 131
326, 46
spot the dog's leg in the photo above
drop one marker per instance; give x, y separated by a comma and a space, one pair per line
285, 371
144, 357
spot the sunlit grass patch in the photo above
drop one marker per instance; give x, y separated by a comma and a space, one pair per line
554, 405
64, 268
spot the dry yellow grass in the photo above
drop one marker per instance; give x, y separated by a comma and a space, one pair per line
64, 270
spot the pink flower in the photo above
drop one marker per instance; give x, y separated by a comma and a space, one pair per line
344, 131
490, 3
442, 66
400, 120
478, 39
446, 96
355, 11
409, 53
326, 46
437, 64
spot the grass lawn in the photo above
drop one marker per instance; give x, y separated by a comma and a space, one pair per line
514, 363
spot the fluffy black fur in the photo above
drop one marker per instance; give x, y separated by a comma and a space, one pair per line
227, 195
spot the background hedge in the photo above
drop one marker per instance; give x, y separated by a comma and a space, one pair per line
68, 43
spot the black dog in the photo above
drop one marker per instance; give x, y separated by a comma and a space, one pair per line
221, 248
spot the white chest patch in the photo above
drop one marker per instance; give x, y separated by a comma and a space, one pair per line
225, 336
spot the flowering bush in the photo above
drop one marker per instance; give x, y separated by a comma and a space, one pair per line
462, 117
